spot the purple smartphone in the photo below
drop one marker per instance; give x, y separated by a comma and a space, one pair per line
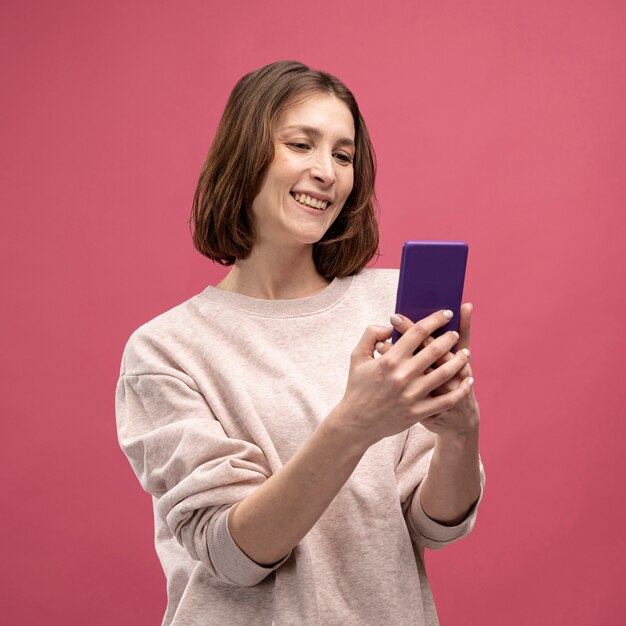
432, 274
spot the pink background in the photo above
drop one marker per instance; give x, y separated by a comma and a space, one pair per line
498, 122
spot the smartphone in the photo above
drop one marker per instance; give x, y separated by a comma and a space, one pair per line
432, 274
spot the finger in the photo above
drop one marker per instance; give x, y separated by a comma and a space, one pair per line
414, 334
440, 404
382, 347
444, 374
368, 341
449, 355
466, 372
453, 383
465, 325
435, 350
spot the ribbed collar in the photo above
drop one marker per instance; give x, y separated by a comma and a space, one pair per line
310, 305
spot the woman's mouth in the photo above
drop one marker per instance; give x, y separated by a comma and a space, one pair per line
302, 198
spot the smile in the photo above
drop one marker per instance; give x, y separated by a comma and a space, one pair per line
302, 198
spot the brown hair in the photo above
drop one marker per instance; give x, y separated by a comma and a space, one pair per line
243, 148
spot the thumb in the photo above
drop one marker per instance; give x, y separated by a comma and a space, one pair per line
465, 325
367, 344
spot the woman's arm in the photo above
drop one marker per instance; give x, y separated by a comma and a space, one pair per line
270, 522
452, 486
383, 397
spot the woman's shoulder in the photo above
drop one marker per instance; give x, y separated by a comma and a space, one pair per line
378, 280
373, 292
379, 275
159, 340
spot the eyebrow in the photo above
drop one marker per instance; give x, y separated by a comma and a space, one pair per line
314, 132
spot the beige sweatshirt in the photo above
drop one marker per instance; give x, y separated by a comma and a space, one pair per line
214, 396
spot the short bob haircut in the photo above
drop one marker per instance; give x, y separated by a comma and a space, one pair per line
242, 150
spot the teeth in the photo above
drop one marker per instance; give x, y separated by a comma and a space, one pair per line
302, 198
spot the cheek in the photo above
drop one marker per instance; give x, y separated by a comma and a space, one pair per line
286, 164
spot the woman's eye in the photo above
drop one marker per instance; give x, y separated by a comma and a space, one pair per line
344, 158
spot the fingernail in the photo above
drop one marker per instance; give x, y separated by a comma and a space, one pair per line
471, 381
456, 334
379, 346
448, 314
467, 352
396, 320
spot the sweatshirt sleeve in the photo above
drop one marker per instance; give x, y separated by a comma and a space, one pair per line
183, 457
410, 474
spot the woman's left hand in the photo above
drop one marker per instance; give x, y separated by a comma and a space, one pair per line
463, 420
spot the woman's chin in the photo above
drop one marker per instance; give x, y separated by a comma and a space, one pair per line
312, 238
307, 234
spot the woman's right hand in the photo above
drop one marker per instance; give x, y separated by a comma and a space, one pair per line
384, 396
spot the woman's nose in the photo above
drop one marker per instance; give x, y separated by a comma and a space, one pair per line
323, 167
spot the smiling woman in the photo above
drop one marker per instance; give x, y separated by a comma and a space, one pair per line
312, 117
312, 162
297, 474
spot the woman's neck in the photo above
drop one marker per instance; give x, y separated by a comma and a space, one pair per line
274, 277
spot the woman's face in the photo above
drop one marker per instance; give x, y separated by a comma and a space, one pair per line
313, 165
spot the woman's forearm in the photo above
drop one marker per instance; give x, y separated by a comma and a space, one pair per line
272, 520
453, 482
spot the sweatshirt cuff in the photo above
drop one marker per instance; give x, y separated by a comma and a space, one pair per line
230, 561
432, 534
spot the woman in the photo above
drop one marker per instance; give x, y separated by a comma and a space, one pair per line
299, 463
